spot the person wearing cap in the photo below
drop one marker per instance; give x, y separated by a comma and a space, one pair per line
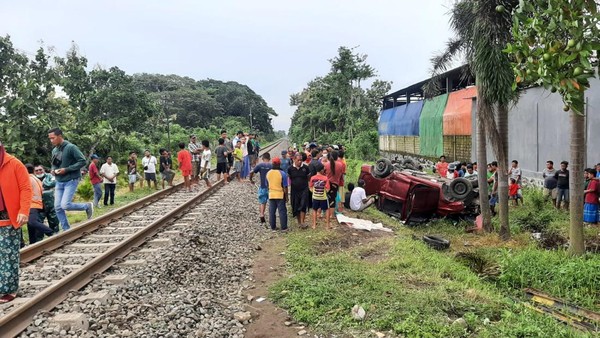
263, 190
285, 161
95, 179
277, 181
196, 152
15, 201
67, 161
35, 228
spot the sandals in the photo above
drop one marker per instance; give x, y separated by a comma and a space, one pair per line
7, 298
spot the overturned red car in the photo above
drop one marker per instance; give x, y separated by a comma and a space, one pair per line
415, 196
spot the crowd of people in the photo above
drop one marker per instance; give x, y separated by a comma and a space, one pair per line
555, 186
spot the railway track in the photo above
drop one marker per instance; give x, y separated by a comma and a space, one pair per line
60, 264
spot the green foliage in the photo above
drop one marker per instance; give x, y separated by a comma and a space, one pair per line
336, 109
109, 112
555, 43
555, 272
412, 291
85, 189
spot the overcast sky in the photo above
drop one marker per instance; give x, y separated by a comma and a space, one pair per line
273, 46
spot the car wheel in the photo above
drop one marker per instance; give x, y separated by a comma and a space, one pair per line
460, 188
436, 242
382, 168
410, 164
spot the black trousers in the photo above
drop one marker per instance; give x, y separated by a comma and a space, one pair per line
109, 192
35, 228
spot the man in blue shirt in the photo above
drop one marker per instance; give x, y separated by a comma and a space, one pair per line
263, 191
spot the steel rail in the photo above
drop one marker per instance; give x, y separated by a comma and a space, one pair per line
41, 248
19, 319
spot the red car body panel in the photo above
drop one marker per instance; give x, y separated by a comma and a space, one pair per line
412, 194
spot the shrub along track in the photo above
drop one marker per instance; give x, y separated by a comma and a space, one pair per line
90, 249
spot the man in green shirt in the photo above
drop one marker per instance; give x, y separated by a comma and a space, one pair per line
67, 161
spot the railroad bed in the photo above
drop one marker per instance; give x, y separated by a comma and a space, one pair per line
174, 268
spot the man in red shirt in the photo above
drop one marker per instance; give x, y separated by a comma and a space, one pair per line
96, 180
185, 165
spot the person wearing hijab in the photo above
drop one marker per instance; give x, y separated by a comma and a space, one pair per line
15, 201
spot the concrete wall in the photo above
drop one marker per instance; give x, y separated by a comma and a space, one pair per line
539, 130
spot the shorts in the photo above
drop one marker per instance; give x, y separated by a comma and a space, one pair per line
237, 166
195, 169
515, 197
253, 157
222, 168
299, 201
167, 175
230, 160
493, 200
332, 194
150, 176
550, 193
132, 178
263, 195
204, 173
186, 173
320, 204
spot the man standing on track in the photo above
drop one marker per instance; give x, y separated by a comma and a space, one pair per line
67, 161
263, 191
222, 160
196, 152
229, 145
185, 165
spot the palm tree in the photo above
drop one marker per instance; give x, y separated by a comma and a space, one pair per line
483, 28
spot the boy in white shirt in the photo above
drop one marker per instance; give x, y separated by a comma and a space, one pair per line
205, 163
359, 200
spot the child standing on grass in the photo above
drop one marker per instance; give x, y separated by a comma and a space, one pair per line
319, 186
513, 191
185, 165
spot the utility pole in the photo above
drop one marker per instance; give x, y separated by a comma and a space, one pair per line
250, 115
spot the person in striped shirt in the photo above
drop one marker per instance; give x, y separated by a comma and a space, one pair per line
319, 186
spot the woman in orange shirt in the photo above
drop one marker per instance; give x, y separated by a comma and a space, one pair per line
15, 201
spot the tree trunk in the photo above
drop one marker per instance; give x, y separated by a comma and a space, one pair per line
502, 122
484, 202
576, 180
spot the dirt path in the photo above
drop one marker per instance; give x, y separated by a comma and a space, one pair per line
269, 320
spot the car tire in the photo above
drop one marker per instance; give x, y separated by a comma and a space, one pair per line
436, 242
410, 164
382, 168
460, 188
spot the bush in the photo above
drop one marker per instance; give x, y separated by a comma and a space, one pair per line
85, 190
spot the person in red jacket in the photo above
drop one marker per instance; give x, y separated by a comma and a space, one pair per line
15, 201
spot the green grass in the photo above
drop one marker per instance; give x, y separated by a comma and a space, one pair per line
415, 291
412, 291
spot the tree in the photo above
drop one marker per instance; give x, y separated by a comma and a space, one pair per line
482, 29
335, 108
555, 43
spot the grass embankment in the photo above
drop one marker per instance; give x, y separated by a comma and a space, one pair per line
409, 289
